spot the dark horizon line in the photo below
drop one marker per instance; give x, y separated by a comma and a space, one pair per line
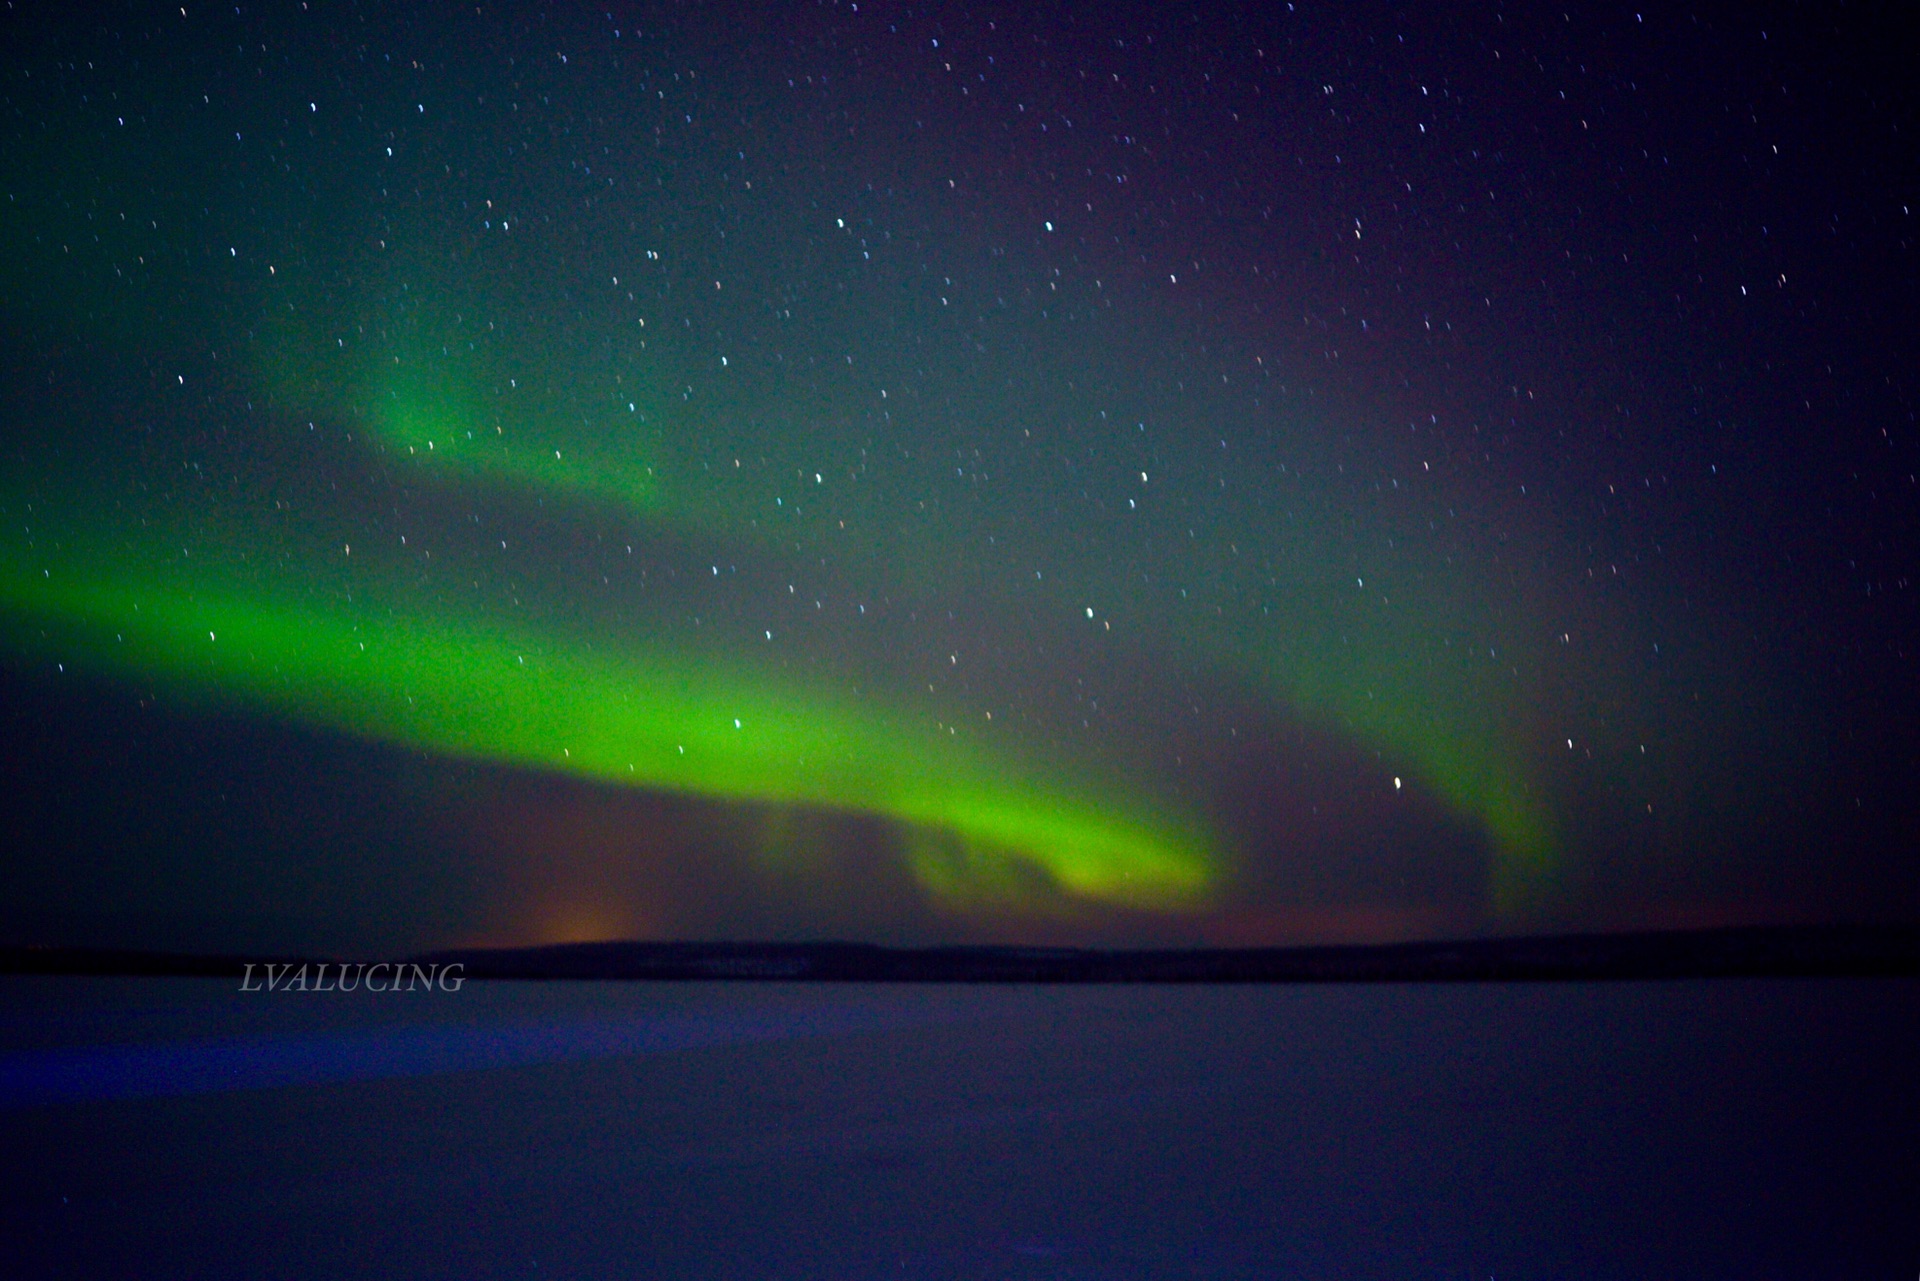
1767, 951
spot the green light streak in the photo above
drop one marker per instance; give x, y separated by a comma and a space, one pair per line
427, 417
654, 721
439, 388
1479, 776
1450, 723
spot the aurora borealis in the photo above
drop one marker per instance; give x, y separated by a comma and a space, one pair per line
1224, 475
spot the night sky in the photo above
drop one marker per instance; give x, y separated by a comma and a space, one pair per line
1092, 474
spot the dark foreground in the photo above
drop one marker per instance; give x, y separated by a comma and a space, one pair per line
1750, 1127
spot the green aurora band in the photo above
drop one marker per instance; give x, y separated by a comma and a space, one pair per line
548, 372
665, 720
433, 684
